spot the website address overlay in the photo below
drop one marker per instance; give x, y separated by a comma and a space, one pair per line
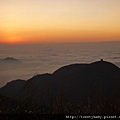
54, 116
92, 116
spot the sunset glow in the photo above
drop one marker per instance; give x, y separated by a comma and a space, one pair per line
36, 21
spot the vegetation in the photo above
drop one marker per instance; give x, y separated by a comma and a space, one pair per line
95, 90
58, 105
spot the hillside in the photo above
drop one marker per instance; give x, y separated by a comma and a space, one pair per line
75, 82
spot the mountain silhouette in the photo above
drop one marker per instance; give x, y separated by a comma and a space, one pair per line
12, 88
9, 63
76, 82
10, 60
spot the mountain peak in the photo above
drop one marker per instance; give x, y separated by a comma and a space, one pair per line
10, 59
78, 79
104, 64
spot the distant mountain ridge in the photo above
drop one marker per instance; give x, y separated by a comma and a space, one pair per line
9, 63
75, 82
9, 59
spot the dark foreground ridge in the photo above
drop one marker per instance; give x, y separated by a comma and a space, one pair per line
87, 88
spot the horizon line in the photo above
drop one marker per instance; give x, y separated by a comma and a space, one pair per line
29, 43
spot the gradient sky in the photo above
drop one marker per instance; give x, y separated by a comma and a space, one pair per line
27, 21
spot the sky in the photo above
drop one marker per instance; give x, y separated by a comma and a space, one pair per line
41, 21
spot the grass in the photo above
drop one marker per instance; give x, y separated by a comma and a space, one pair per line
59, 104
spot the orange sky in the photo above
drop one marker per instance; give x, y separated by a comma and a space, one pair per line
29, 21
